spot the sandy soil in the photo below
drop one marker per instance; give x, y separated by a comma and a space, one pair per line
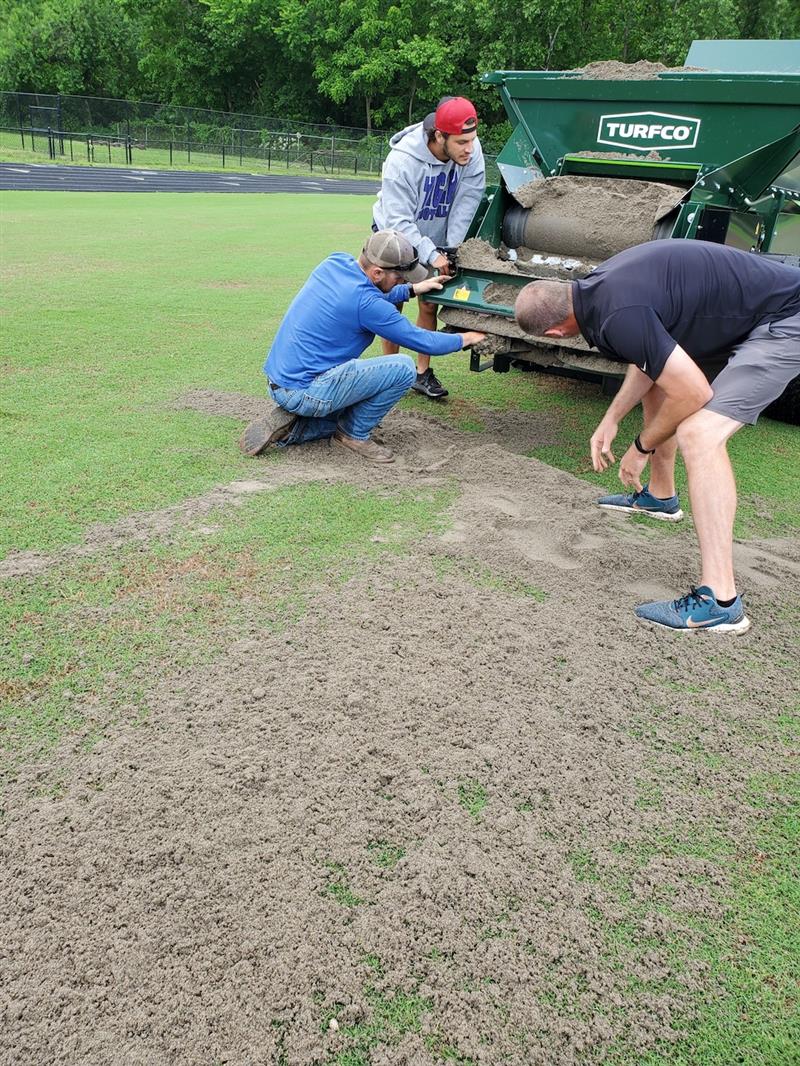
476, 254
208, 887
591, 217
614, 70
653, 155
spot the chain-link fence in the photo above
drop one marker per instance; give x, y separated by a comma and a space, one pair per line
129, 133
94, 129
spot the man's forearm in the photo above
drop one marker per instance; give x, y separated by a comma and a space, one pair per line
633, 388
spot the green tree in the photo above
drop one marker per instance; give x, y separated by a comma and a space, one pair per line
355, 47
68, 46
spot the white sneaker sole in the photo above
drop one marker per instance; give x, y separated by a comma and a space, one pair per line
662, 516
736, 628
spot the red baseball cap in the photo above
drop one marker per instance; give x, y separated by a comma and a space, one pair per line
456, 115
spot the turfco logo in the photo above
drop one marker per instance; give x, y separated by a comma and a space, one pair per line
648, 129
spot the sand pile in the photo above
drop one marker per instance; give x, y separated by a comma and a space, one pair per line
593, 217
614, 70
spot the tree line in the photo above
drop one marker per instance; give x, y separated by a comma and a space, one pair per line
367, 63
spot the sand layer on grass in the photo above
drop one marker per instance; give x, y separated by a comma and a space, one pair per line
285, 838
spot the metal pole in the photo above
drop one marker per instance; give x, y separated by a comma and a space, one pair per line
88, 156
60, 121
71, 157
223, 155
22, 135
170, 153
188, 148
240, 146
108, 143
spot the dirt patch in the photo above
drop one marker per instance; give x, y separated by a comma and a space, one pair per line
214, 402
440, 788
613, 70
423, 444
590, 217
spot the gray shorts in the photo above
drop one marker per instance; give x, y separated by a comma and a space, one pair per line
758, 370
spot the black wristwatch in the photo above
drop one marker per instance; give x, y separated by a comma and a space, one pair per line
641, 450
412, 290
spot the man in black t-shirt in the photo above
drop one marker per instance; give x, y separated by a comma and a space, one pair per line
683, 314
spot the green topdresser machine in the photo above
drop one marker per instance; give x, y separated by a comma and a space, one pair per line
608, 157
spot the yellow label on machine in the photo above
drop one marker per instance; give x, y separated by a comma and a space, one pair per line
461, 294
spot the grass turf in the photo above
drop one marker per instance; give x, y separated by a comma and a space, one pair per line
115, 305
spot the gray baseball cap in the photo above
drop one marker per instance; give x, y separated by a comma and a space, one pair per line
389, 249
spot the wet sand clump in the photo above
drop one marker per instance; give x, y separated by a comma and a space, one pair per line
504, 295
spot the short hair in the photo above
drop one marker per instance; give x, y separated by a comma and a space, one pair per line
542, 305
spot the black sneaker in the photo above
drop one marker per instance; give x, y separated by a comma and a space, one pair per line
429, 385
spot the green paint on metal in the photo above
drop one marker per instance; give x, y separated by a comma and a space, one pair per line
703, 118
746, 56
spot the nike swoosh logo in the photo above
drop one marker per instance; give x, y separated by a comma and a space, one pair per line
691, 624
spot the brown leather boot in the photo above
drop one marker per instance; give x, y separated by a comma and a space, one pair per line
368, 449
274, 426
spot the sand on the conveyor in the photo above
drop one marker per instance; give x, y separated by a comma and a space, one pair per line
477, 254
593, 217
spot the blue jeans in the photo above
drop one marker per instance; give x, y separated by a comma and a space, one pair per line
352, 397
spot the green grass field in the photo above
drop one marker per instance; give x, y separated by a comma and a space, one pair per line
113, 306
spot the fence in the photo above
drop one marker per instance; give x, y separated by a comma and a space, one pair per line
323, 155
164, 135
130, 133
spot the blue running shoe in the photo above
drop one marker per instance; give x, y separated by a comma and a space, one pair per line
644, 503
697, 610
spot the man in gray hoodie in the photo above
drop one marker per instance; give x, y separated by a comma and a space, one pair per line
433, 181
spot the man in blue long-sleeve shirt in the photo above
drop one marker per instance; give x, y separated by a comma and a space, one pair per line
319, 387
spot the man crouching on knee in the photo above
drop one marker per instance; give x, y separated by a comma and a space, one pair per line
318, 384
